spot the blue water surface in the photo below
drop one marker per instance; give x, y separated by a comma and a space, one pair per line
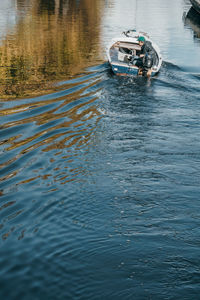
99, 195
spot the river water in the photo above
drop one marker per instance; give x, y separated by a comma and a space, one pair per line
100, 175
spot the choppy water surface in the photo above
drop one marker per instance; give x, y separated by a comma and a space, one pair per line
99, 195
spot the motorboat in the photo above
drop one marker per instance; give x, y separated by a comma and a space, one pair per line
196, 5
123, 53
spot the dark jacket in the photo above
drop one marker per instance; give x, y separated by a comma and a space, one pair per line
147, 48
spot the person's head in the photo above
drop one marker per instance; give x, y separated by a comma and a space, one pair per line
141, 40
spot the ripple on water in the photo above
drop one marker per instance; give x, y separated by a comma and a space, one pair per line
63, 124
103, 181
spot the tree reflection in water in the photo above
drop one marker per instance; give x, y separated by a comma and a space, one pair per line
52, 40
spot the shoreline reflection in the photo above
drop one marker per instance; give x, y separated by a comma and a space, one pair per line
52, 41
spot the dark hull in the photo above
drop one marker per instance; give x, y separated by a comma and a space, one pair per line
192, 20
196, 5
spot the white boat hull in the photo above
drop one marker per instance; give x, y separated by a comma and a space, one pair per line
119, 61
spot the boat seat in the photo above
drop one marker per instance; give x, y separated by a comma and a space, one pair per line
125, 56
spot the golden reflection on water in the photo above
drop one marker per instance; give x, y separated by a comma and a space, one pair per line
71, 115
52, 40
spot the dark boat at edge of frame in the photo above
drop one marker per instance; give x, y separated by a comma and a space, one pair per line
196, 5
